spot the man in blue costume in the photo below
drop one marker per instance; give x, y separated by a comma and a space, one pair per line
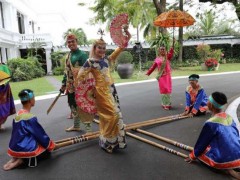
218, 143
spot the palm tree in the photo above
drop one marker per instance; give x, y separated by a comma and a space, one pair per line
79, 33
180, 35
207, 23
141, 13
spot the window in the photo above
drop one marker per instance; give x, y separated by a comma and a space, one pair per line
21, 27
6, 50
1, 16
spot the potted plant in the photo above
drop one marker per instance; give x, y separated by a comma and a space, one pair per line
124, 67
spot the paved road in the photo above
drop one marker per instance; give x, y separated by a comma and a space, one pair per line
139, 102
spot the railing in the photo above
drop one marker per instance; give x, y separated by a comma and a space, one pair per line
13, 38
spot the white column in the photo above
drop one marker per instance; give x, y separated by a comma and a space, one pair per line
4, 57
48, 61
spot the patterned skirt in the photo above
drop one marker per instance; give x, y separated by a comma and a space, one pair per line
7, 106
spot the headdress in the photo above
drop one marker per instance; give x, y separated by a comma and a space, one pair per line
193, 77
100, 41
28, 95
71, 37
215, 104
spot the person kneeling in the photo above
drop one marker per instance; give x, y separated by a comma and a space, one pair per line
218, 143
29, 141
196, 98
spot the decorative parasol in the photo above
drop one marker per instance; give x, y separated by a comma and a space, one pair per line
174, 18
117, 33
4, 74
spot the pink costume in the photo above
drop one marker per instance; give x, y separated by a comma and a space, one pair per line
164, 78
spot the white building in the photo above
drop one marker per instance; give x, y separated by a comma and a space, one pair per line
21, 27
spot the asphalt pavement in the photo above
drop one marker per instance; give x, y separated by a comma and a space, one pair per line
139, 102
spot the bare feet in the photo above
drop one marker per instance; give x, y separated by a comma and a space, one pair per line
1, 127
13, 163
70, 116
73, 129
233, 173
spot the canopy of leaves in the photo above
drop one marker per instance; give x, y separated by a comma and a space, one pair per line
79, 33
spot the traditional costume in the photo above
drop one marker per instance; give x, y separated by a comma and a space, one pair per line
164, 78
111, 125
196, 99
218, 144
28, 139
7, 106
74, 61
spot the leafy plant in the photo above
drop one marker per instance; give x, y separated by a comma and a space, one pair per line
124, 58
217, 54
25, 69
203, 50
161, 39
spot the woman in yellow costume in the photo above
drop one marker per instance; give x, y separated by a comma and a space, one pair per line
112, 133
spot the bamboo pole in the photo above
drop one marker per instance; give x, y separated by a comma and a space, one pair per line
130, 126
154, 121
175, 143
157, 145
76, 140
72, 138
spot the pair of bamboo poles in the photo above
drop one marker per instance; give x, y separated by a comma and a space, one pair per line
135, 127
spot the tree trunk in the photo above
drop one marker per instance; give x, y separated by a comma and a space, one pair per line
180, 36
160, 6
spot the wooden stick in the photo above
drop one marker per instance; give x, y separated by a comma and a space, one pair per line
175, 143
54, 102
157, 145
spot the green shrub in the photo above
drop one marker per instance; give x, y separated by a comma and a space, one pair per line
58, 71
203, 50
56, 58
25, 69
124, 58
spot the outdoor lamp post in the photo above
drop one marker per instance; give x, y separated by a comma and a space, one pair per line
137, 48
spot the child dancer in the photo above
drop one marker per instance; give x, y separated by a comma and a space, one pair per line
29, 141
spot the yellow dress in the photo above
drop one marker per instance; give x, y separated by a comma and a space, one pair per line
111, 125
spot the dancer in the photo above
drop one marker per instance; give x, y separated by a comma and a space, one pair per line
29, 142
6, 98
162, 62
112, 134
218, 143
75, 59
196, 98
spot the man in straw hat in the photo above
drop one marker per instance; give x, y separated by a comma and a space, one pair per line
75, 59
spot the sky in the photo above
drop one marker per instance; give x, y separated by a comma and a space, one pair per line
78, 16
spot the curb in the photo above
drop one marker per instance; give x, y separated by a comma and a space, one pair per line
231, 109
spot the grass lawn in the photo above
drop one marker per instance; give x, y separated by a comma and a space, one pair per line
41, 86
